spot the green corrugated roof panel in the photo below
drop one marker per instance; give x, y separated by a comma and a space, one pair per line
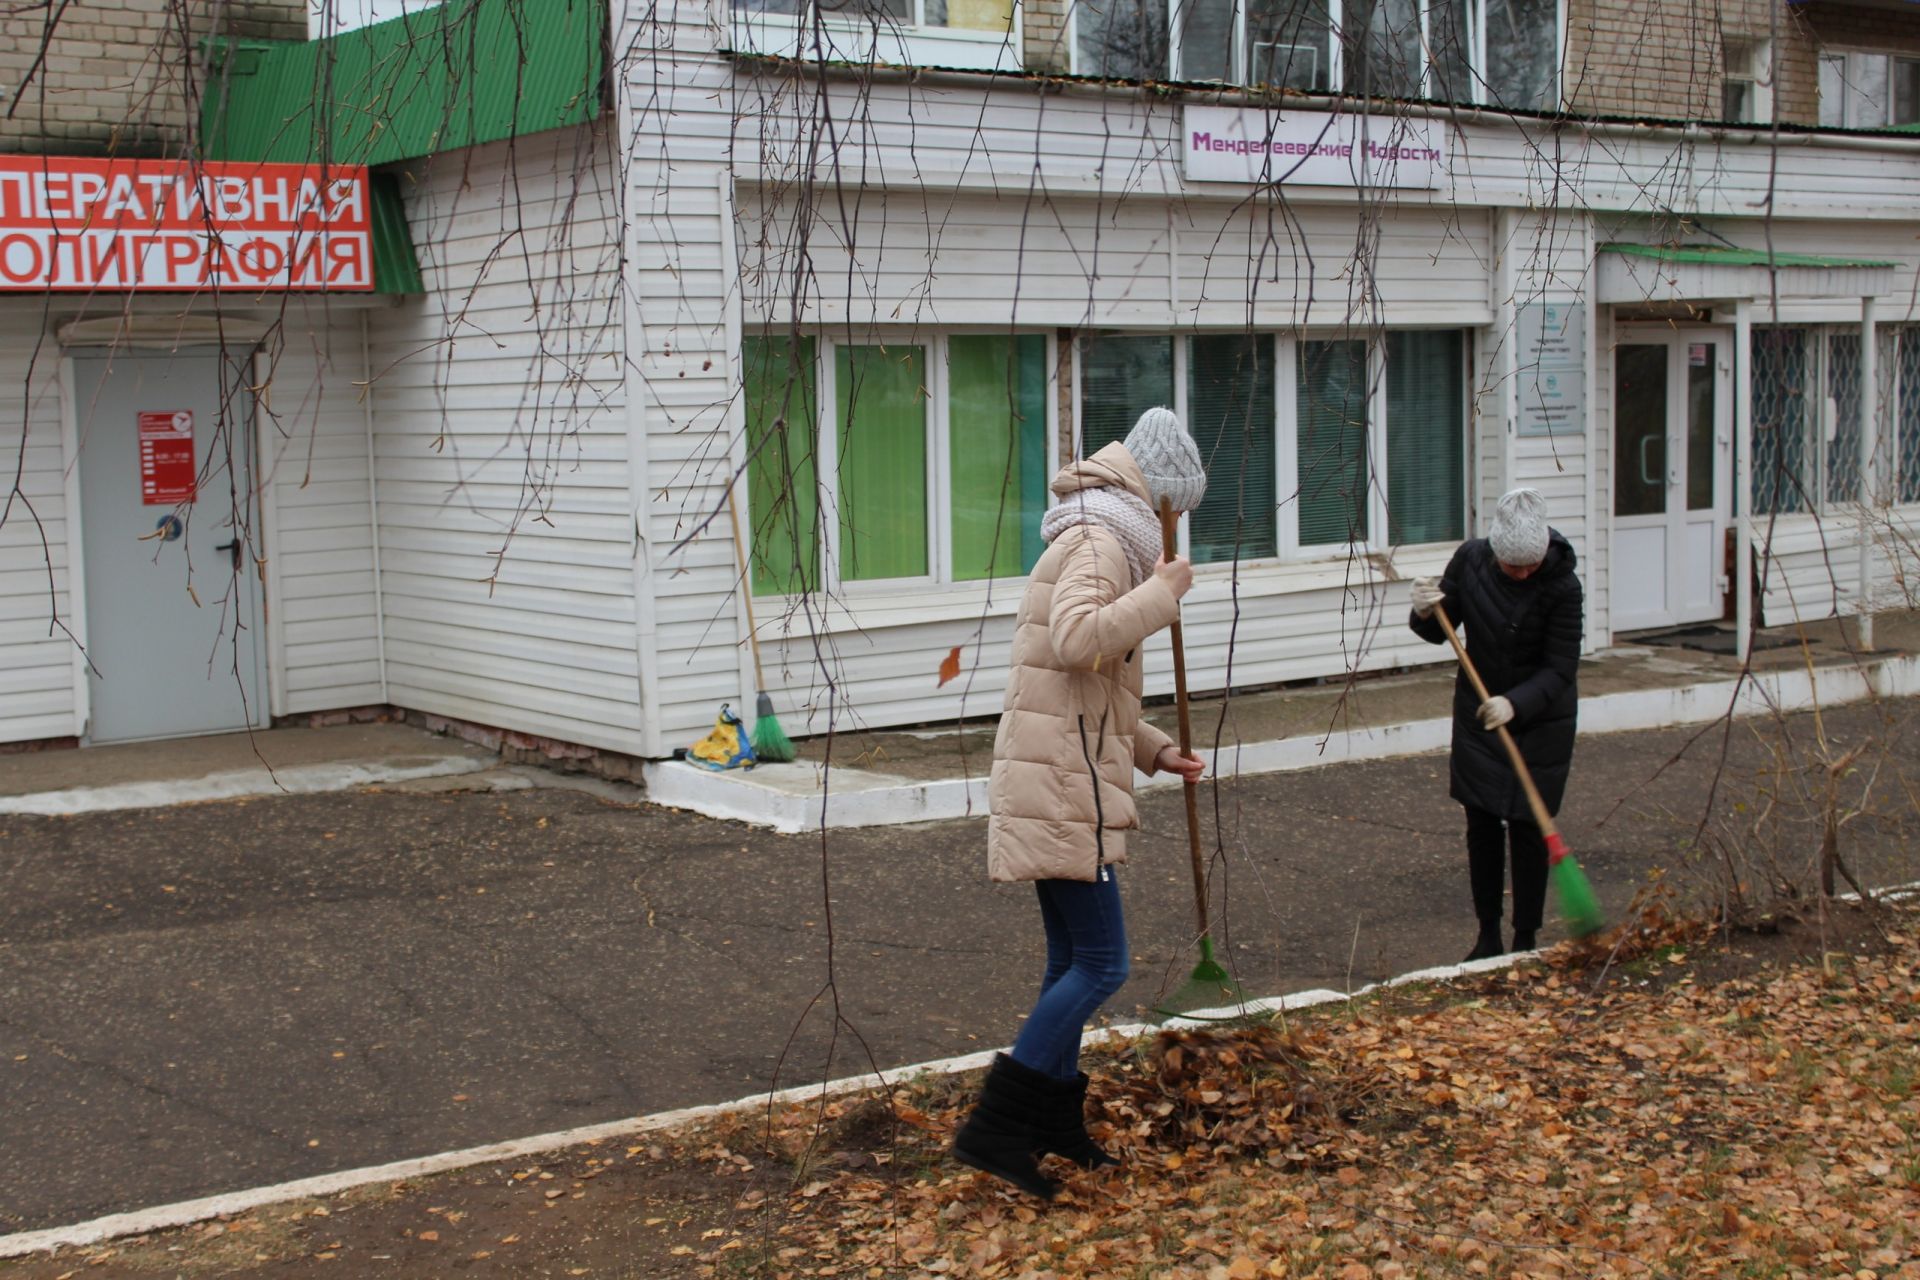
461, 73
395, 268
1720, 256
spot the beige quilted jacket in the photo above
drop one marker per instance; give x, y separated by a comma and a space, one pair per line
1071, 736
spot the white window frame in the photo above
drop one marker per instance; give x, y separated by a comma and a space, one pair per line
1286, 453
1758, 76
1336, 53
867, 39
1845, 55
938, 428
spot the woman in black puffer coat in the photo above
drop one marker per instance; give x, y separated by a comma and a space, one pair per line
1515, 596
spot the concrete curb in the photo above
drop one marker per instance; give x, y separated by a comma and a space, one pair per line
185, 1212
182, 1213
787, 797
309, 779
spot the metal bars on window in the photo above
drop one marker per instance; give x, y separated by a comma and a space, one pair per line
1809, 410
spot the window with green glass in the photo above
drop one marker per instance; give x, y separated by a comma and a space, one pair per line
1120, 379
880, 393
783, 498
1230, 411
996, 452
1331, 434
1426, 436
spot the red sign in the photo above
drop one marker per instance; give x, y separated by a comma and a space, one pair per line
166, 457
68, 223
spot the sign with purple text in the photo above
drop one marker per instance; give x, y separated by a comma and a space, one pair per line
1314, 148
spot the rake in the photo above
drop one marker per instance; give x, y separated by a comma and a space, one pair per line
1209, 985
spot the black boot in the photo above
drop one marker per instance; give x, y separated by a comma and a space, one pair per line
1065, 1131
1488, 944
1524, 940
1004, 1131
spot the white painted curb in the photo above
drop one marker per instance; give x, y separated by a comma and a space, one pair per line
163, 1217
787, 797
311, 779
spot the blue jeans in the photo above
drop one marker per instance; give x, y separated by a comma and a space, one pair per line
1086, 963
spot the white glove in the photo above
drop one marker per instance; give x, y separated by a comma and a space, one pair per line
1426, 594
1495, 712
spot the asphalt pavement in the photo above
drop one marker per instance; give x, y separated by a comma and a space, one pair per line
223, 995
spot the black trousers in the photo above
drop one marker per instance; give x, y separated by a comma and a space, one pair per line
1488, 836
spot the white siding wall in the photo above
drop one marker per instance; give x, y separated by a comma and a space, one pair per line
37, 698
505, 492
942, 204
323, 635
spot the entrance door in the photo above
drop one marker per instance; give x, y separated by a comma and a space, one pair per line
166, 493
1673, 433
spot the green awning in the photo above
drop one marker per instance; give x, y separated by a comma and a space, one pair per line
1709, 255
455, 75
1637, 274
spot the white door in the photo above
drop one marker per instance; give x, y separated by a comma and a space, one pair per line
168, 537
1673, 436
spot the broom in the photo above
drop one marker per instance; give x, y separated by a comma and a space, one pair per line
1577, 901
770, 741
1209, 985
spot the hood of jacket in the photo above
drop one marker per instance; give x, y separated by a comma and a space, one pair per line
1110, 468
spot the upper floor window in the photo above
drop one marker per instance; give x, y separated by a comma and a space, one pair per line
1746, 89
1503, 52
1861, 90
971, 34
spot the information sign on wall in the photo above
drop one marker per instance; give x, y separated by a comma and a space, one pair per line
1314, 148
73, 223
1552, 337
166, 457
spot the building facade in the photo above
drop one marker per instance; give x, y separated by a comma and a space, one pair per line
791, 311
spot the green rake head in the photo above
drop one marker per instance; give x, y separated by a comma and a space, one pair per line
1209, 994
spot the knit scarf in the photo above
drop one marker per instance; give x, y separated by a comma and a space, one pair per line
1121, 513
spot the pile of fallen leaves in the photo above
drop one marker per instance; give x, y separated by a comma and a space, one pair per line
1537, 1125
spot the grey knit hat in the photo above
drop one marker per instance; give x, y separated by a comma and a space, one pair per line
1169, 460
1519, 532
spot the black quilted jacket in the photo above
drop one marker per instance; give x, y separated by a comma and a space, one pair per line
1524, 637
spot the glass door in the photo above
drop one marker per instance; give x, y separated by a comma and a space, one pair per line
1673, 452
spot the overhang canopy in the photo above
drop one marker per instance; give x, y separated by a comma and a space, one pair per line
1641, 274
450, 76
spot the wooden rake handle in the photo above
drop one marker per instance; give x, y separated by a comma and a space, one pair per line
1556, 847
1169, 543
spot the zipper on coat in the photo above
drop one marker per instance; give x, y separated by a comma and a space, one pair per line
1100, 873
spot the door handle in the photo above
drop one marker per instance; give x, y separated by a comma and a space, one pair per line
1646, 469
233, 550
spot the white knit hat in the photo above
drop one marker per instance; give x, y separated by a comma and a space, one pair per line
1168, 459
1519, 532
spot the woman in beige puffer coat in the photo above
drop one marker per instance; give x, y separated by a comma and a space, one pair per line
1061, 791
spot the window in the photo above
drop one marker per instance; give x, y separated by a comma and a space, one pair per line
782, 479
1330, 425
1426, 425
938, 467
1906, 408
1120, 39
1807, 417
1230, 410
1505, 52
956, 15
1375, 434
1745, 88
974, 34
1860, 90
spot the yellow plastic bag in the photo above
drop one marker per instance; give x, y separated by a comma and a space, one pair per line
727, 747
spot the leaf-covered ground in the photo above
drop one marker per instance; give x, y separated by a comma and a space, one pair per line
1577, 1118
